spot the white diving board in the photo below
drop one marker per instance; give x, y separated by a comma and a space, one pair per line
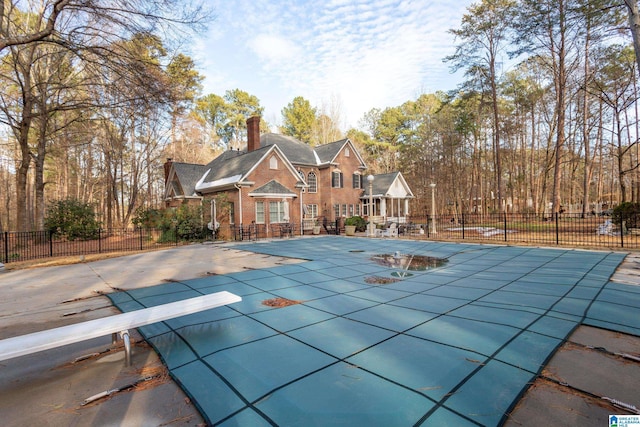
117, 324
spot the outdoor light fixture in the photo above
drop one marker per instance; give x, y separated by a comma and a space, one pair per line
433, 207
370, 179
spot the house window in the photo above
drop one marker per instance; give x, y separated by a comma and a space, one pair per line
344, 210
358, 210
273, 162
276, 212
357, 180
351, 210
336, 211
312, 210
312, 180
259, 212
347, 152
336, 179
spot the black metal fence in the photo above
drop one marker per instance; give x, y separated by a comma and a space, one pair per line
570, 230
567, 230
29, 245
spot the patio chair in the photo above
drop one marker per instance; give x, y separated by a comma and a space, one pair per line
605, 229
392, 231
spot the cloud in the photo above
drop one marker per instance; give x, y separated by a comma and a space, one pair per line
370, 53
272, 48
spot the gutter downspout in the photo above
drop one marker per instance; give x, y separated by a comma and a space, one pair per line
214, 217
239, 188
301, 212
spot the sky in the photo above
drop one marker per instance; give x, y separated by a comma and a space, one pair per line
356, 55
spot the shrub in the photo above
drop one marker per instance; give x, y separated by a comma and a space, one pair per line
147, 217
72, 219
189, 222
628, 212
358, 221
182, 223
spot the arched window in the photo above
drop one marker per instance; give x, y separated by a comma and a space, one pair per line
312, 180
273, 162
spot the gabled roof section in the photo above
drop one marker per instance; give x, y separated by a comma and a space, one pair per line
229, 168
300, 153
182, 179
296, 151
232, 167
389, 185
327, 153
272, 189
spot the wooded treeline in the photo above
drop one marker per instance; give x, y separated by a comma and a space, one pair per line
94, 98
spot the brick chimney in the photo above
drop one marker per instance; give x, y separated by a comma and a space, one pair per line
253, 133
167, 168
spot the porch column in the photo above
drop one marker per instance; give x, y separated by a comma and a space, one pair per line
383, 207
240, 203
301, 213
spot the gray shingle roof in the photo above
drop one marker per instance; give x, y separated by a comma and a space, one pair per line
188, 174
382, 185
328, 152
232, 163
382, 182
296, 151
272, 187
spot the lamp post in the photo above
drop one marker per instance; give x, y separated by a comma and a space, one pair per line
433, 207
370, 179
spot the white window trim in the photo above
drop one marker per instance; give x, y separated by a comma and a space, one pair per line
261, 203
273, 163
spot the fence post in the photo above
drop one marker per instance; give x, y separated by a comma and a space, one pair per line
505, 225
50, 243
622, 227
557, 229
99, 240
6, 246
463, 221
140, 238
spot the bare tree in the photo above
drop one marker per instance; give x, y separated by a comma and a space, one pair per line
95, 34
10, 13
482, 37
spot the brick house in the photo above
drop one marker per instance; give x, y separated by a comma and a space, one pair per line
279, 180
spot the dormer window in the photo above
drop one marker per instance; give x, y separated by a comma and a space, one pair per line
273, 162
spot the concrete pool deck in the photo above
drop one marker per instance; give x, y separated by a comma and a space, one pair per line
335, 339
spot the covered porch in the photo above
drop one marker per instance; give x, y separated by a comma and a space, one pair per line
386, 198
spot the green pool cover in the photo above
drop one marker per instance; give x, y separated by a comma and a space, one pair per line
454, 345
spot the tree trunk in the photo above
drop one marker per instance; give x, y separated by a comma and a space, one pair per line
560, 111
496, 135
634, 26
585, 133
